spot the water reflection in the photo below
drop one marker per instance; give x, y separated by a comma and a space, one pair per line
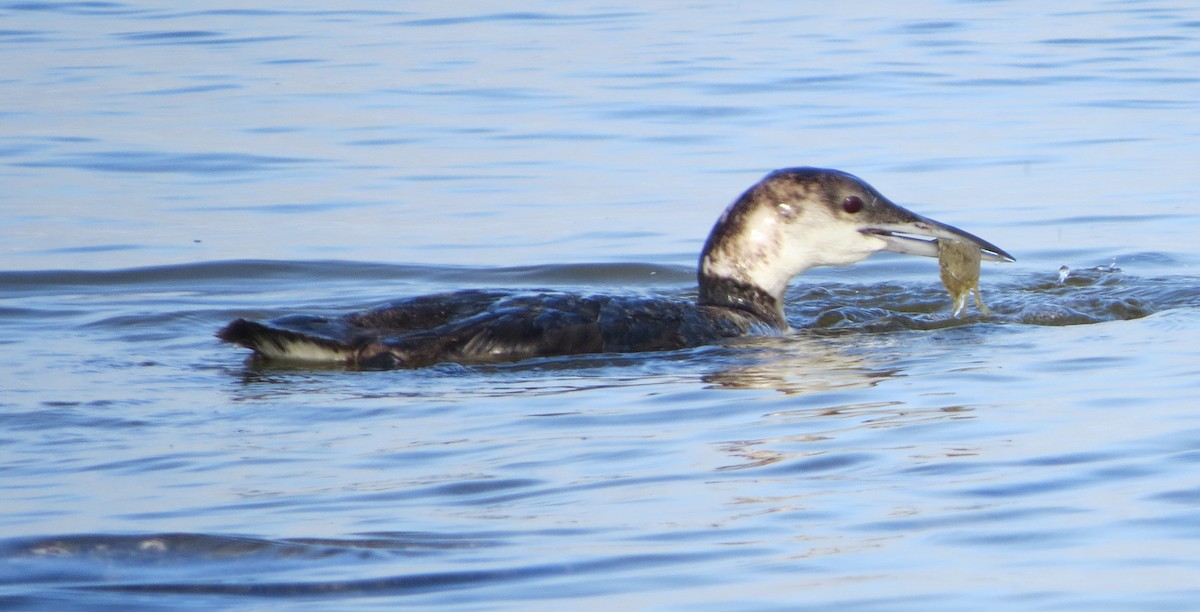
807, 452
799, 364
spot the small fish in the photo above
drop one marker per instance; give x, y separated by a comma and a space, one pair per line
960, 273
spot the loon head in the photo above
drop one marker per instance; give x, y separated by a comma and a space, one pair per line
798, 218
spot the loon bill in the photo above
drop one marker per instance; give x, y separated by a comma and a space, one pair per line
792, 220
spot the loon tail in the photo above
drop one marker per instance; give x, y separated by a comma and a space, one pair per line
292, 339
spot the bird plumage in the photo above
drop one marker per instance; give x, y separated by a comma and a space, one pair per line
788, 222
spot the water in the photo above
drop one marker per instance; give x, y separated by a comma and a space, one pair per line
168, 169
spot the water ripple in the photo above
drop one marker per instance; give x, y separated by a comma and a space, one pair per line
524, 18
93, 7
156, 162
148, 563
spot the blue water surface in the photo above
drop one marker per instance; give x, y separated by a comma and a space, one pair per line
167, 169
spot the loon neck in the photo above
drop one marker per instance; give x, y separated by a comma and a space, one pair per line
744, 296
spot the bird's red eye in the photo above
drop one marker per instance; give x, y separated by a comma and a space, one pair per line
852, 204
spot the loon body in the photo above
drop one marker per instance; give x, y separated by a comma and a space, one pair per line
792, 220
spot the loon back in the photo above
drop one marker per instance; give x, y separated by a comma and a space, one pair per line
788, 222
492, 326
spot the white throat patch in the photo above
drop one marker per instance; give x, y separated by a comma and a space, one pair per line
778, 242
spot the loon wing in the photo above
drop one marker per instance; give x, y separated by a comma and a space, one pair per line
489, 326
294, 338
341, 339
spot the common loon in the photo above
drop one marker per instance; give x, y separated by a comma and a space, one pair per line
792, 220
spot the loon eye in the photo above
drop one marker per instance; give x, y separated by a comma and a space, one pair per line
852, 204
